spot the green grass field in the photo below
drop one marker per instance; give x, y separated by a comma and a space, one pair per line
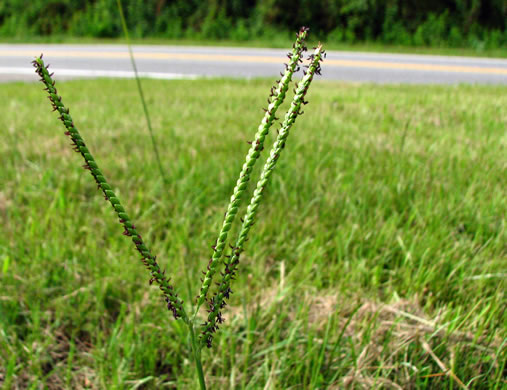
378, 259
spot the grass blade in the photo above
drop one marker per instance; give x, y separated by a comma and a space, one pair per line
141, 94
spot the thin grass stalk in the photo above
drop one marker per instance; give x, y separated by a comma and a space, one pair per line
141, 94
174, 303
218, 301
277, 97
196, 349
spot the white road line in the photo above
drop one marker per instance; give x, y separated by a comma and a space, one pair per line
99, 73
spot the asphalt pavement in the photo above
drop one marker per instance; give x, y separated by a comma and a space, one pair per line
170, 62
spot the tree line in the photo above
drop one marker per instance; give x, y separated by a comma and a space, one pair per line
406, 22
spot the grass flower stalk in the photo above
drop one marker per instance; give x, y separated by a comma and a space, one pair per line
174, 303
277, 97
217, 302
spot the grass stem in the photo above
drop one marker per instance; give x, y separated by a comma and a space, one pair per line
141, 94
196, 349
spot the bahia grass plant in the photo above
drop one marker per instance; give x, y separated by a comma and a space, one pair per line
201, 334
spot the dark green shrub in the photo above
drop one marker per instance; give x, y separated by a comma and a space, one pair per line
479, 24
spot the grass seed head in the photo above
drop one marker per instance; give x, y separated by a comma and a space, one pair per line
218, 301
174, 304
277, 97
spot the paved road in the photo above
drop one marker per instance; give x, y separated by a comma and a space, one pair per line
166, 62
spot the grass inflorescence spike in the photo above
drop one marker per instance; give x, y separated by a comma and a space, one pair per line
174, 303
275, 100
217, 302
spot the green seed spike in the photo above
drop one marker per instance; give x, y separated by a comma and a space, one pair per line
252, 156
224, 289
174, 304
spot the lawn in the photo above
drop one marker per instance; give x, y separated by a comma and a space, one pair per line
378, 259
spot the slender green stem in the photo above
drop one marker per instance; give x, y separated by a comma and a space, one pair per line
141, 94
197, 357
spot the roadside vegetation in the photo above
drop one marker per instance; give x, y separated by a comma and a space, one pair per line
458, 27
378, 258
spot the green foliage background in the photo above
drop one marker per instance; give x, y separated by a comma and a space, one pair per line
454, 23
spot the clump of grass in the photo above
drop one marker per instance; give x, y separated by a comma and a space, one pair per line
217, 302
